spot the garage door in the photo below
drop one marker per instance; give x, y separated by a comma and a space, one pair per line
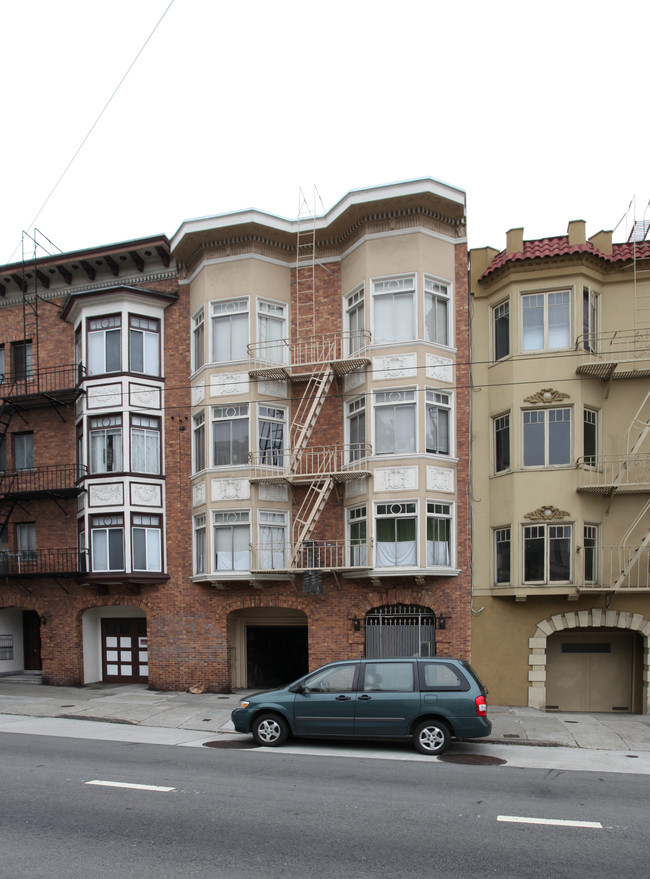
590, 671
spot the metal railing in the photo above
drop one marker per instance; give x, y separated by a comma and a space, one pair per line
47, 380
42, 480
315, 461
616, 568
323, 555
625, 473
621, 346
42, 562
311, 350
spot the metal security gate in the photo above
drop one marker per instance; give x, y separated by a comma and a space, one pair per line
400, 630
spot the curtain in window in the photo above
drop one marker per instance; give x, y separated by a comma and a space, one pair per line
272, 540
558, 320
394, 317
146, 549
232, 548
533, 315
438, 542
435, 319
145, 451
271, 331
395, 429
396, 544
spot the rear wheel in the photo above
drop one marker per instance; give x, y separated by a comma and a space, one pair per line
431, 737
270, 730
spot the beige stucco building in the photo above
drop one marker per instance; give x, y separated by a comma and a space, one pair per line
560, 400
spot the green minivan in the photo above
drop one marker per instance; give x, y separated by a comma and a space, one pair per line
425, 700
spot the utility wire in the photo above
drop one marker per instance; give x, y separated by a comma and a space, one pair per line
94, 125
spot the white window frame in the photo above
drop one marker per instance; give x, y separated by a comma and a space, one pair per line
224, 310
237, 523
439, 292
406, 510
357, 520
355, 320
273, 349
440, 400
530, 417
200, 545
273, 454
386, 400
591, 545
590, 308
502, 422
546, 300
198, 339
147, 529
146, 429
100, 528
355, 411
229, 415
198, 442
440, 511
273, 548
148, 329
106, 426
402, 286
99, 329
548, 532
500, 312
502, 536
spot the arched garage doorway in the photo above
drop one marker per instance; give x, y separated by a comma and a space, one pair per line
400, 630
270, 646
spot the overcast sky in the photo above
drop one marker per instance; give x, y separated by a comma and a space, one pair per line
537, 110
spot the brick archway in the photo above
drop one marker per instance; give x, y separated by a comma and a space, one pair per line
582, 619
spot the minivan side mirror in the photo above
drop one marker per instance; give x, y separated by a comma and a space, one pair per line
297, 688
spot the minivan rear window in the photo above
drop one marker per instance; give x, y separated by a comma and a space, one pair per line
440, 676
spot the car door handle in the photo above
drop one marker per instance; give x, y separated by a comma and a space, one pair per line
343, 698
364, 698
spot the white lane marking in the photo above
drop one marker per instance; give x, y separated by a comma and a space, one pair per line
131, 786
556, 822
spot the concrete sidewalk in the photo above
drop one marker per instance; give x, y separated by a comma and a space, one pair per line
209, 713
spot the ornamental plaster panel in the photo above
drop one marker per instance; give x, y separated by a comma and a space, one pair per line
439, 368
394, 366
547, 395
198, 394
230, 489
104, 396
396, 478
440, 479
273, 388
355, 487
198, 494
106, 495
272, 492
229, 383
144, 396
144, 494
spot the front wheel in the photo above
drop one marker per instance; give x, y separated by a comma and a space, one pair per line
270, 730
431, 737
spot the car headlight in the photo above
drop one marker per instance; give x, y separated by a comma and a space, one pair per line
244, 703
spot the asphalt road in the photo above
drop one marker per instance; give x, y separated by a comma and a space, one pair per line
206, 812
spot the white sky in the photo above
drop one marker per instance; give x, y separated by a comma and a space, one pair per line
537, 110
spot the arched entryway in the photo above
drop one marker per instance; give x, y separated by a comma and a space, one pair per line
400, 630
592, 660
115, 645
20, 641
269, 646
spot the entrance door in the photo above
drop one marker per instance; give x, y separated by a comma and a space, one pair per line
32, 640
124, 650
590, 671
276, 655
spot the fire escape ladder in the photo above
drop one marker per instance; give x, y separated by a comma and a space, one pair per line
640, 426
6, 414
312, 506
306, 268
307, 412
627, 564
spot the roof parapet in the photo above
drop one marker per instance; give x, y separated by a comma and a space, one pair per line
602, 241
515, 240
577, 233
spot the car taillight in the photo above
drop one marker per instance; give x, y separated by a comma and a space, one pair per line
481, 706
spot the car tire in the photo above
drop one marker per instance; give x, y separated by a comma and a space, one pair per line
270, 730
431, 737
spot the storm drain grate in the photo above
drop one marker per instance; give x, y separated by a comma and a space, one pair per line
473, 759
230, 744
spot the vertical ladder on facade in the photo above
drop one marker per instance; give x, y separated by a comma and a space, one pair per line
306, 268
631, 562
308, 410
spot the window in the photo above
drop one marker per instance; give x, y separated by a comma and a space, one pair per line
396, 535
229, 435
547, 437
104, 345
589, 319
357, 429
146, 538
198, 427
232, 541
438, 423
107, 542
436, 311
501, 427
339, 679
273, 539
145, 444
198, 340
394, 309
395, 426
590, 437
229, 330
24, 451
106, 444
357, 536
355, 321
4, 539
271, 434
589, 558
23, 360
388, 677
26, 541
547, 553
200, 548
502, 542
271, 331
546, 320
501, 330
438, 534
144, 341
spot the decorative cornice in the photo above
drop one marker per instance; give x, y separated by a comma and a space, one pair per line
63, 292
546, 514
547, 395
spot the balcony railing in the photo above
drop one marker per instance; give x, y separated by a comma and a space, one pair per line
605, 474
616, 568
343, 461
42, 563
626, 351
58, 480
311, 351
322, 555
53, 381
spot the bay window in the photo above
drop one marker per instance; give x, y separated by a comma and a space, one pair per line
231, 533
107, 542
589, 320
230, 433
547, 437
395, 422
547, 553
394, 309
200, 547
271, 330
271, 434
501, 330
146, 539
589, 557
439, 530
590, 437
357, 536
438, 423
145, 444
272, 539
198, 444
104, 344
502, 555
357, 429
546, 320
198, 340
144, 345
355, 321
106, 444
436, 311
501, 429
396, 534
229, 330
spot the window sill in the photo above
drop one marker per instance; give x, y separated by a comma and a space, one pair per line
382, 573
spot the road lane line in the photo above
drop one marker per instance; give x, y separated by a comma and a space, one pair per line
556, 822
130, 786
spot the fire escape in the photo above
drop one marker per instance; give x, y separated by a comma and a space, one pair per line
611, 357
312, 363
26, 387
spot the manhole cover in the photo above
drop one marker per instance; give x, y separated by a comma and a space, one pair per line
230, 744
473, 759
